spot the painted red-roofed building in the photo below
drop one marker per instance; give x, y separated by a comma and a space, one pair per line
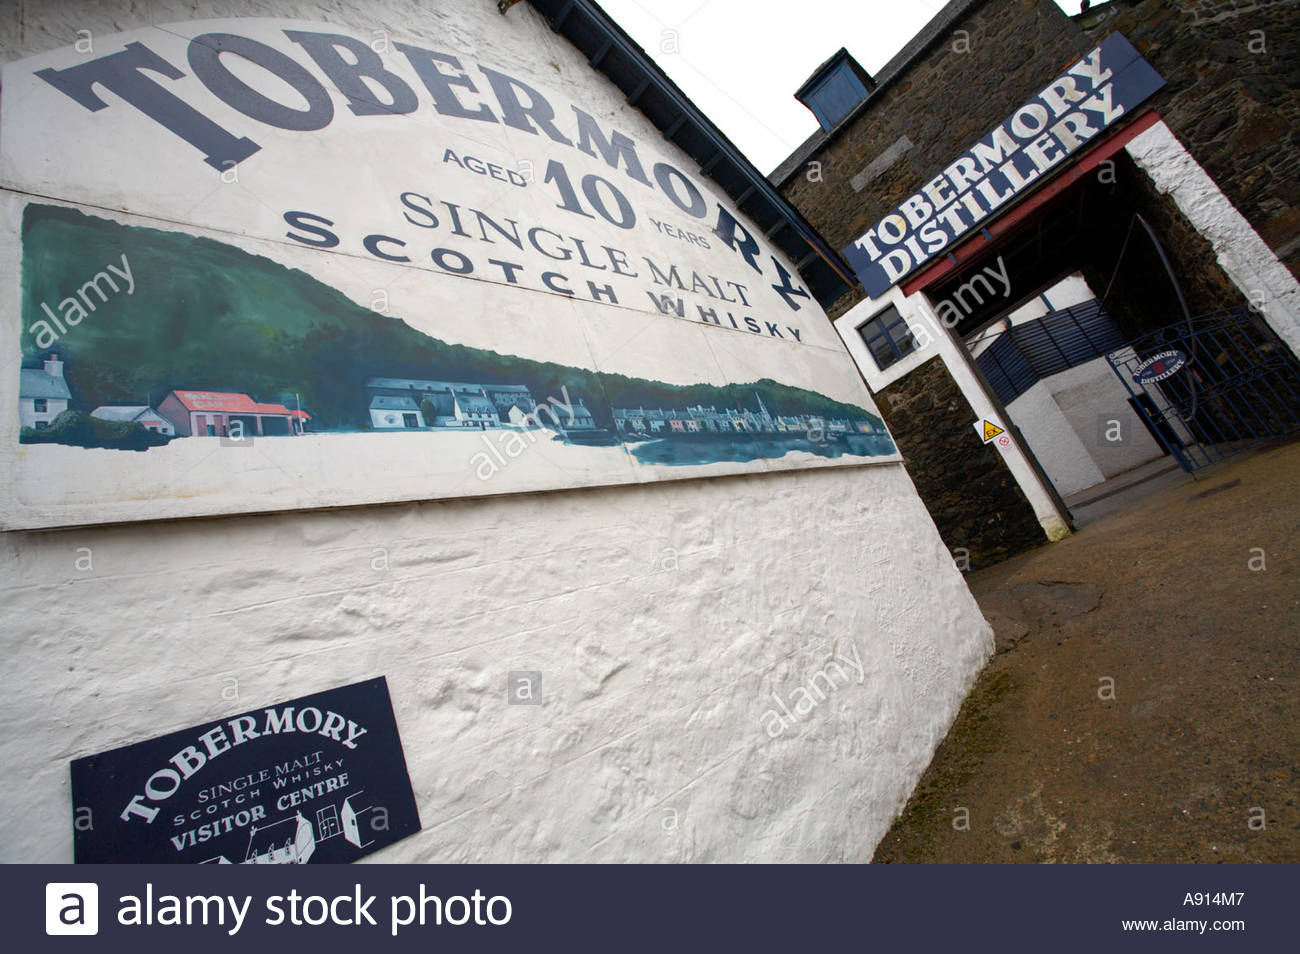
226, 414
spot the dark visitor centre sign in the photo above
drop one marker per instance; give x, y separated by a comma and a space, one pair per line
316, 779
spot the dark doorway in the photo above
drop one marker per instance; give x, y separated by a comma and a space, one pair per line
1092, 227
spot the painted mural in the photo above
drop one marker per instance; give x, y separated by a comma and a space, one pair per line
385, 271
179, 336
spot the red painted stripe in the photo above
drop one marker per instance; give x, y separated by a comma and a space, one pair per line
1004, 223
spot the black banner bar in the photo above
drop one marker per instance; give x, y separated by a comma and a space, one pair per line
575, 908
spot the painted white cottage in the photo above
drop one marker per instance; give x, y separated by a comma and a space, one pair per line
405, 403
291, 841
42, 394
141, 414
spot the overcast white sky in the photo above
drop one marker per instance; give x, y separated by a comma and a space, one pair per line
741, 60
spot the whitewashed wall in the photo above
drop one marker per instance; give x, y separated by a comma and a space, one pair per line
1057, 447
1091, 394
1082, 428
663, 617
1240, 251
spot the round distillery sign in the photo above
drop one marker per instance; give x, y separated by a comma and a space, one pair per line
1159, 366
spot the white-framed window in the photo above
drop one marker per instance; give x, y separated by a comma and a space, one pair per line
887, 337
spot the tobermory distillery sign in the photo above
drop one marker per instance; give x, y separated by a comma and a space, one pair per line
316, 779
1072, 111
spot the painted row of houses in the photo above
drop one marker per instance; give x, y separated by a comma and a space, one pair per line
395, 404
43, 395
411, 403
641, 421
407, 404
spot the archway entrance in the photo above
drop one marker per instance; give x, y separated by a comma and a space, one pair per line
1100, 323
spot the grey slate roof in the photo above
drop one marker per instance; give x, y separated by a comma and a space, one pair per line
35, 383
404, 384
119, 412
476, 403
384, 402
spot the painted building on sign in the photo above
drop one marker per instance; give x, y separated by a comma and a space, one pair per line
401, 312
404, 403
223, 414
141, 414
1037, 206
42, 393
641, 423
288, 842
433, 404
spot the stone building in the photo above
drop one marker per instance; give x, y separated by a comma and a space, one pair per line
584, 653
1178, 213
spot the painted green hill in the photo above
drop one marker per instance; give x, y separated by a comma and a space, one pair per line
206, 315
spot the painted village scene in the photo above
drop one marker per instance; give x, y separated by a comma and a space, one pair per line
207, 340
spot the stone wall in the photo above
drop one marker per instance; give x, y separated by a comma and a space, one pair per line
1140, 297
967, 488
1232, 97
972, 79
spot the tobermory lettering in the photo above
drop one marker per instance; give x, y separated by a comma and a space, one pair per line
391, 84
167, 781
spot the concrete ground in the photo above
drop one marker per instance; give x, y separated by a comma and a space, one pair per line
1142, 706
1124, 490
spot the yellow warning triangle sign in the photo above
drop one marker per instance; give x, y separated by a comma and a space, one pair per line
991, 431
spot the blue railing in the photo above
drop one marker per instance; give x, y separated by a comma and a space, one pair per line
1026, 353
1234, 385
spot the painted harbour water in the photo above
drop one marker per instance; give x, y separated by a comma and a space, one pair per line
712, 450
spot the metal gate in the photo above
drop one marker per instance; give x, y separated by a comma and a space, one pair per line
1213, 386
